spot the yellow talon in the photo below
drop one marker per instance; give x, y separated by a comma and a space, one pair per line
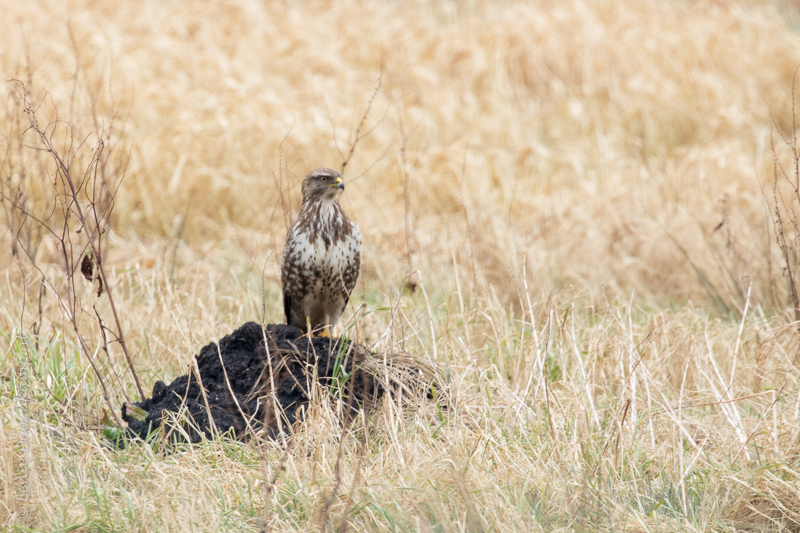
325, 332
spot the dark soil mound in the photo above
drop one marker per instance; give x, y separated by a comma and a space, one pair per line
238, 378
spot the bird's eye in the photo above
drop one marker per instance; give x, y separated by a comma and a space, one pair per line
324, 178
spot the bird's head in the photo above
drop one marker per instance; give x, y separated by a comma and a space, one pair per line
322, 184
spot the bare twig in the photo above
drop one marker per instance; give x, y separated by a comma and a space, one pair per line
75, 216
784, 212
358, 136
93, 236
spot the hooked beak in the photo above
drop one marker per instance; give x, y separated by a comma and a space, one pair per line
339, 183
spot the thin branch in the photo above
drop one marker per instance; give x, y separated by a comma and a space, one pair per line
363, 120
74, 206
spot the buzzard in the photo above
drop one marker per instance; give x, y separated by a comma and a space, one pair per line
321, 257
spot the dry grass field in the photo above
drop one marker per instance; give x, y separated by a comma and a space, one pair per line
567, 208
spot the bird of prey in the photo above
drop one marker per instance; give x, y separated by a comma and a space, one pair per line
321, 257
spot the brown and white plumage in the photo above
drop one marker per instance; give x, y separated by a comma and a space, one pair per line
322, 255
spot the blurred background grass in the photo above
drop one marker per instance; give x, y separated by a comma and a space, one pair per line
575, 136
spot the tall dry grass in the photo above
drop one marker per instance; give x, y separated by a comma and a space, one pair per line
578, 185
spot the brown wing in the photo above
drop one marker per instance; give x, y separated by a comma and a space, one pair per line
294, 279
352, 264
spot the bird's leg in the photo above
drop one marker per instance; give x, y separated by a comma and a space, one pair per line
326, 329
308, 327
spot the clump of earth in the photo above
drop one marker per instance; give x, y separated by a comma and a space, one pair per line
257, 379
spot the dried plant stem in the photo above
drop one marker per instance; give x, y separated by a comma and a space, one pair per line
72, 203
